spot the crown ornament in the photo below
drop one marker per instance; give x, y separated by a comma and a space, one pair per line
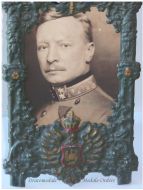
69, 121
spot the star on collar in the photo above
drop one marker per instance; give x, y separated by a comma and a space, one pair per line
60, 90
62, 96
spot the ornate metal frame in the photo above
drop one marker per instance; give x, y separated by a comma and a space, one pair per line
118, 157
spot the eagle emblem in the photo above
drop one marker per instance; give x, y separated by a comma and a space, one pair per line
71, 148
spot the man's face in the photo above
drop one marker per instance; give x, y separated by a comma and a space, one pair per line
62, 49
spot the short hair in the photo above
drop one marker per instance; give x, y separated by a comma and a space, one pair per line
52, 14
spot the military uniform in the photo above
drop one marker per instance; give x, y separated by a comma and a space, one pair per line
86, 99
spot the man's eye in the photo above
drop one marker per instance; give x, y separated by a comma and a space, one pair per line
42, 47
65, 45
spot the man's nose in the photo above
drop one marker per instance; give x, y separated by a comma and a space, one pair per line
52, 55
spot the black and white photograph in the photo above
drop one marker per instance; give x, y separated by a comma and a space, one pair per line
72, 64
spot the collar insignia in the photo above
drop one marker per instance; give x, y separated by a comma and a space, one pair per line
79, 89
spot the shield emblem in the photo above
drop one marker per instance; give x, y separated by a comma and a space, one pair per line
71, 155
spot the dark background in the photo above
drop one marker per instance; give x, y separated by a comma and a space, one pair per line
104, 64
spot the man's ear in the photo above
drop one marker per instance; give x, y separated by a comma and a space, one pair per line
90, 51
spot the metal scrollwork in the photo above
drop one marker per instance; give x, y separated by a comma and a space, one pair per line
67, 149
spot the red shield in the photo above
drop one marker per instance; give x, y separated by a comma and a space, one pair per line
71, 155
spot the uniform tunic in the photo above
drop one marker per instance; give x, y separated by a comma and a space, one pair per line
86, 99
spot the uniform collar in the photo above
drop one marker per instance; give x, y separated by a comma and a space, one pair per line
66, 92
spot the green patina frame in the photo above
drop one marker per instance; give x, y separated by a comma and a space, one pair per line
120, 159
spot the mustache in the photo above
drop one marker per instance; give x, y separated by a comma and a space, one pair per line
55, 68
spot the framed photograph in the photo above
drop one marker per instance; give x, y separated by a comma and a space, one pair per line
71, 73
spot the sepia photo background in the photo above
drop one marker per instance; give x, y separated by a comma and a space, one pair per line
104, 64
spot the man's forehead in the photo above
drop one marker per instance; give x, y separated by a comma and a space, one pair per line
67, 22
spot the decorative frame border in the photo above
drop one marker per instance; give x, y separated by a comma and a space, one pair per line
119, 159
